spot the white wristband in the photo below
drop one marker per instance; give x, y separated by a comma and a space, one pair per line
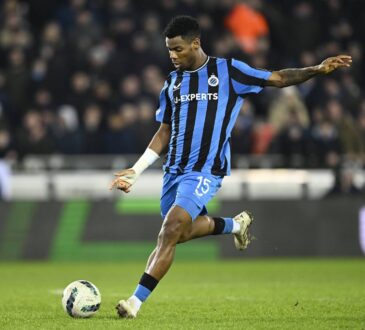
147, 159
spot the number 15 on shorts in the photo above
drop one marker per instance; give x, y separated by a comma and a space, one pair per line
203, 186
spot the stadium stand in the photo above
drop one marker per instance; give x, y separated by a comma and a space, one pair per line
82, 77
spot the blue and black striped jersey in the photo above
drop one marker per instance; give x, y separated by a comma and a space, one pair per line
202, 106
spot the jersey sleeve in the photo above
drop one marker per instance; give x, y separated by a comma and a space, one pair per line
164, 111
247, 80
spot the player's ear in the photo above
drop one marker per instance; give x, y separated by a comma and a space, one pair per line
196, 43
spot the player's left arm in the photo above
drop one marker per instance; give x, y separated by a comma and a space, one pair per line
288, 77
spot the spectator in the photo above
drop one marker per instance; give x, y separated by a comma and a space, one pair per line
121, 137
99, 60
53, 67
248, 26
85, 34
324, 142
17, 80
103, 96
152, 28
98, 57
145, 123
121, 24
7, 148
7, 114
242, 133
348, 135
287, 103
292, 141
152, 80
33, 137
15, 32
130, 89
303, 26
92, 131
67, 13
80, 93
67, 133
343, 184
43, 102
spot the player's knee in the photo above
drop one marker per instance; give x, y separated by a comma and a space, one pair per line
185, 236
171, 232
176, 224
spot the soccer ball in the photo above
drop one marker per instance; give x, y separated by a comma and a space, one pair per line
81, 299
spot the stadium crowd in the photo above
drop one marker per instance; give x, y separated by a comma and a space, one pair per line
83, 76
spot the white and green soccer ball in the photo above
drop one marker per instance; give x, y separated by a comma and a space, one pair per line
81, 299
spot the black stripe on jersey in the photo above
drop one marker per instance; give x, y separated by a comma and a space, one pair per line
245, 78
168, 111
232, 99
176, 95
190, 121
209, 119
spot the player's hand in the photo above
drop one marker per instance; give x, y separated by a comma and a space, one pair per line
124, 180
333, 63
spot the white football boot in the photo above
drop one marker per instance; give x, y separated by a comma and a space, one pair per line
243, 238
127, 309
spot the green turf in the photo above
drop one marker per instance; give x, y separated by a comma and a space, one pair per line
247, 294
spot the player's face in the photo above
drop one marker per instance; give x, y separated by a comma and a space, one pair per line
182, 52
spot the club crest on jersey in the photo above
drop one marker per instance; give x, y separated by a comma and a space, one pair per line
213, 81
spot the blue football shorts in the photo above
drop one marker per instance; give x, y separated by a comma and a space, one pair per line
191, 191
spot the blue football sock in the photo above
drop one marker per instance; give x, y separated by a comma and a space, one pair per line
145, 287
228, 225
225, 226
141, 292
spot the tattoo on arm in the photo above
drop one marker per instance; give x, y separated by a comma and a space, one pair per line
288, 77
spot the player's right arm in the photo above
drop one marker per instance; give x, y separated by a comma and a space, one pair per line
126, 178
161, 139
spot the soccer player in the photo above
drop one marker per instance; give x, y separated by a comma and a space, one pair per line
198, 106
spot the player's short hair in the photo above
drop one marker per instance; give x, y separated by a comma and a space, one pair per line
185, 26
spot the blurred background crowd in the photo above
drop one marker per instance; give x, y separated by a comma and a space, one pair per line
83, 76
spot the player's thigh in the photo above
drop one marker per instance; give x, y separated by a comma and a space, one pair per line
168, 194
195, 190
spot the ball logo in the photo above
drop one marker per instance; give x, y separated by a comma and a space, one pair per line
213, 81
176, 87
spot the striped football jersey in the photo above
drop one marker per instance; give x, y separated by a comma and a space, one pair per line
202, 106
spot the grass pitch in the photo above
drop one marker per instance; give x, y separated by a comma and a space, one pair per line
245, 294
